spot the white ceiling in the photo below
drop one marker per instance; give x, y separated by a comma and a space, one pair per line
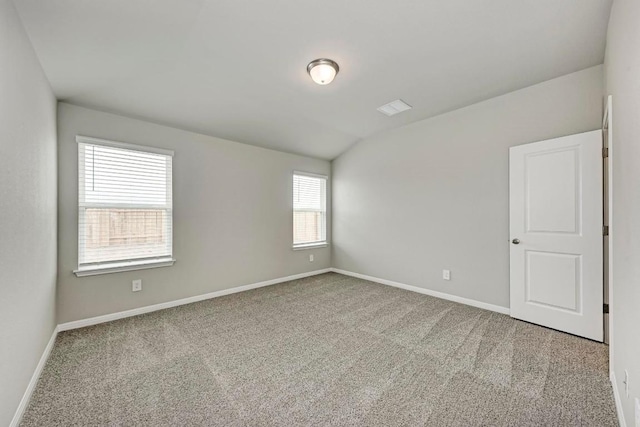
236, 69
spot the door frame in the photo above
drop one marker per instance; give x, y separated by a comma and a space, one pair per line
607, 141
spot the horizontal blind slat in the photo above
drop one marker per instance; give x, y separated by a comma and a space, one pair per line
309, 209
124, 205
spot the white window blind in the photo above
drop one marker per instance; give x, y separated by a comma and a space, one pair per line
309, 209
125, 204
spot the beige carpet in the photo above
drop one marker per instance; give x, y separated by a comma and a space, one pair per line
325, 350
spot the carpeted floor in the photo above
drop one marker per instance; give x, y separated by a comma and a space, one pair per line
325, 350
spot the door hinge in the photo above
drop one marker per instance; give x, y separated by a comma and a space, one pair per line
605, 152
605, 308
605, 230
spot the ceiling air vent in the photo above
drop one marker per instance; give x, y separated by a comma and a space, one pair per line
394, 107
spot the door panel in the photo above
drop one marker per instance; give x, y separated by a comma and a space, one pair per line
555, 189
553, 280
556, 211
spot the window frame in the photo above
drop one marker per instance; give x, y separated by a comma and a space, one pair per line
320, 243
91, 269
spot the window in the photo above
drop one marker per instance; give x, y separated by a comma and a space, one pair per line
309, 210
125, 207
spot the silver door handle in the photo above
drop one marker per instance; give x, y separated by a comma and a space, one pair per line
516, 241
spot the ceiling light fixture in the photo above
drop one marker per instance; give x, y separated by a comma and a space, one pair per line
323, 71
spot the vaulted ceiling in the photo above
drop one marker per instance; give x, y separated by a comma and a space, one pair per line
237, 69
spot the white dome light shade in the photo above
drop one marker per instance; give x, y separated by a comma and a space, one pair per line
322, 71
323, 74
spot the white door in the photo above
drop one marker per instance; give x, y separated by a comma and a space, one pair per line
555, 190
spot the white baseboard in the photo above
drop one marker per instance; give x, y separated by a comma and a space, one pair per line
442, 295
17, 417
150, 308
616, 398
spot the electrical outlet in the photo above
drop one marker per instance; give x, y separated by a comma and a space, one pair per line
626, 383
311, 258
136, 285
446, 274
637, 412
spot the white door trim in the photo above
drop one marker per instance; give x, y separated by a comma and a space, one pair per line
607, 126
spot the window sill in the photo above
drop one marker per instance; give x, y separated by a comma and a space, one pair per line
310, 246
116, 267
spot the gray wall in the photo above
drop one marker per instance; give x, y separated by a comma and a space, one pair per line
232, 216
27, 212
622, 67
433, 195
